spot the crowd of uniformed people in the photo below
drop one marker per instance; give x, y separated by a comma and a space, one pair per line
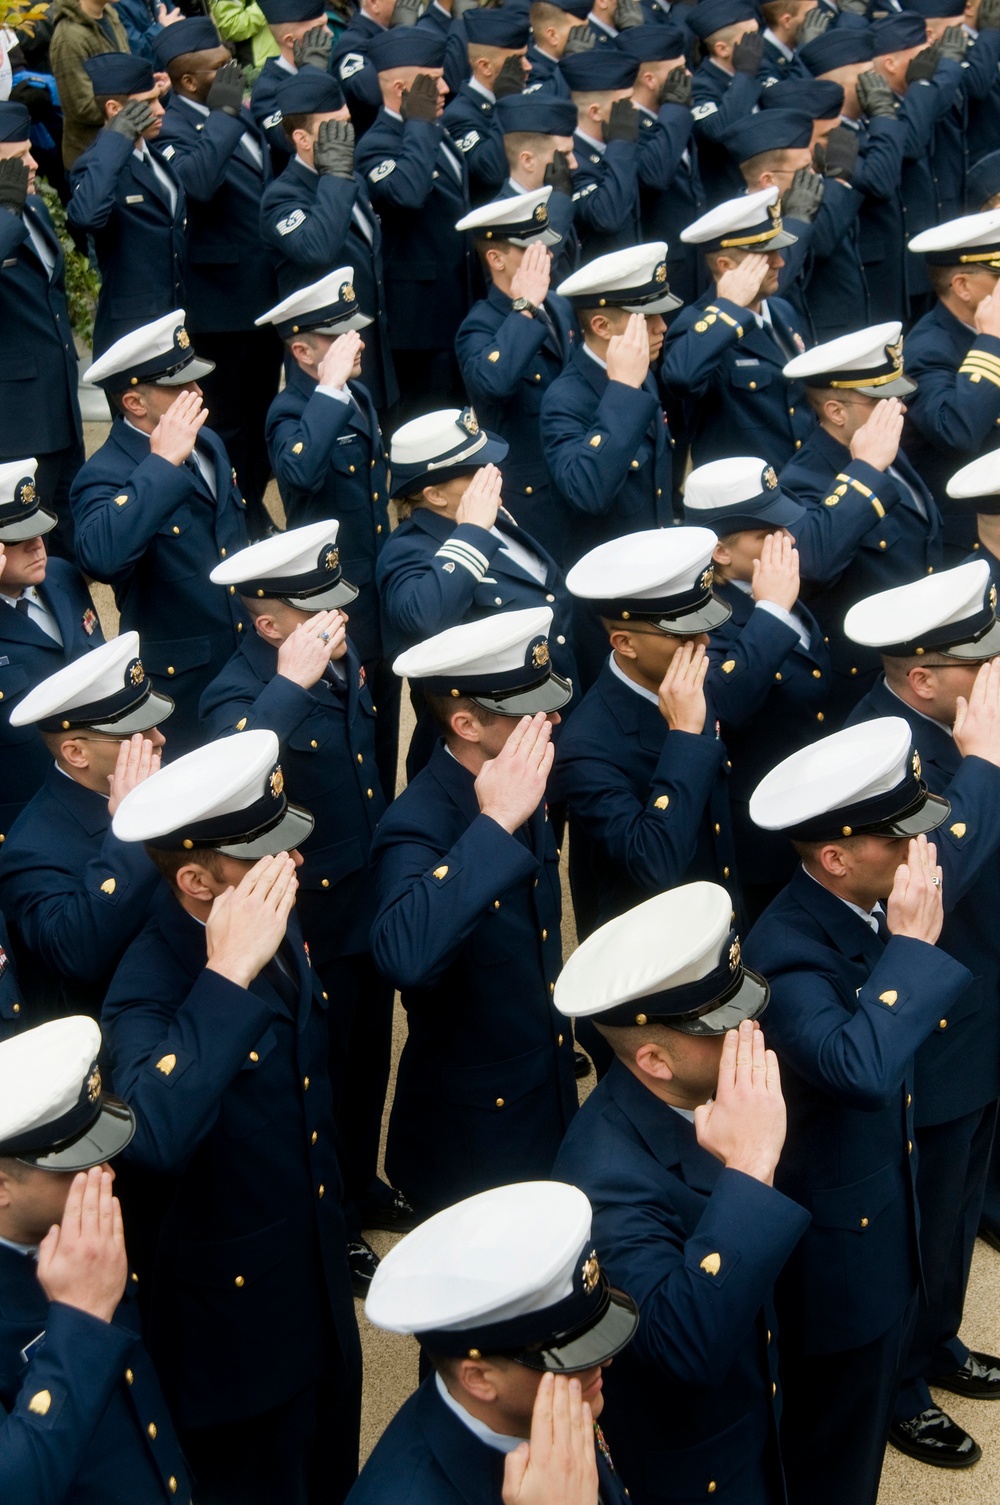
630, 376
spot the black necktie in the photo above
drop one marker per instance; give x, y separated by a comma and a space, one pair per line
21, 605
553, 332
282, 982
884, 933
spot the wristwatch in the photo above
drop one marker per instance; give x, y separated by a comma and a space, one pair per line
522, 306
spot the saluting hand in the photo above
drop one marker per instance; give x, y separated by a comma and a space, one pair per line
977, 720
628, 353
559, 1465
82, 1261
174, 437
776, 572
304, 655
337, 365
741, 284
531, 280
744, 1125
247, 923
481, 501
915, 907
987, 316
511, 786
876, 442
682, 690
137, 760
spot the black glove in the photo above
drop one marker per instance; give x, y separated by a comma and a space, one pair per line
814, 23
954, 42
924, 65
511, 79
13, 184
622, 124
557, 175
132, 119
837, 155
989, 15
314, 48
804, 196
676, 88
875, 96
420, 100
748, 52
628, 13
226, 92
579, 39
333, 153
407, 12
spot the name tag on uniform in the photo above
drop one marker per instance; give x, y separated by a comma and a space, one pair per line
30, 1349
746, 363
347, 438
135, 198
10, 262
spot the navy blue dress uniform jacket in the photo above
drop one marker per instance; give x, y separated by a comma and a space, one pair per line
153, 531
139, 239
958, 1065
14, 1016
74, 897
76, 1417
427, 1456
229, 278
329, 461
358, 76
508, 361
671, 194
771, 695
847, 1013
721, 100
228, 1085
954, 415
863, 533
881, 224
39, 411
649, 806
27, 656
313, 222
689, 1405
546, 74
327, 737
435, 573
606, 195
608, 450
420, 189
922, 107
471, 122
832, 297
468, 929
726, 369
265, 111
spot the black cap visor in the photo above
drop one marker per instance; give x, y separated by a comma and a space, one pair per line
779, 242
931, 811
901, 387
154, 709
975, 650
193, 370
546, 237
663, 305
703, 618
595, 1343
289, 832
548, 694
106, 1137
341, 594
748, 1002
40, 521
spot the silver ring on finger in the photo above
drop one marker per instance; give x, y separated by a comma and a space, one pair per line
325, 637
935, 880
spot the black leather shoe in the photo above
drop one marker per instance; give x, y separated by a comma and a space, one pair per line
393, 1216
978, 1378
362, 1262
990, 1236
934, 1438
581, 1065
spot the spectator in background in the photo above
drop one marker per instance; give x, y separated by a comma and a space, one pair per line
83, 29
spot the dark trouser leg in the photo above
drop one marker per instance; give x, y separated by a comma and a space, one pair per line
835, 1417
304, 1452
53, 478
360, 1051
951, 1175
989, 1217
238, 394
385, 690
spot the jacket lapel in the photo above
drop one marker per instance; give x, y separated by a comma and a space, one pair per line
667, 1134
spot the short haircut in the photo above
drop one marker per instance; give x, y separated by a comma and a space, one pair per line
773, 10
587, 315
443, 707
185, 62
735, 253
290, 123
543, 14
102, 100
729, 33
169, 864
15, 1170
486, 50
516, 142
626, 1039
482, 246
941, 276
772, 160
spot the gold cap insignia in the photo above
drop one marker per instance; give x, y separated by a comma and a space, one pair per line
916, 764
774, 210
661, 272
166, 1064
541, 214
276, 783
331, 559
182, 338
711, 1264
26, 493
94, 1085
993, 597
591, 1273
734, 955
540, 654
136, 673
895, 355
705, 583
770, 479
347, 292
469, 422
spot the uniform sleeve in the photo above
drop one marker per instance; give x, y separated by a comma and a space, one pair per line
662, 146
604, 200
77, 1368
13, 234
970, 837
420, 596
860, 1057
879, 168
692, 357
589, 453
94, 180
429, 900
114, 524
745, 663
837, 216
712, 117
979, 69
310, 234
299, 445
280, 707
923, 105
484, 155
957, 409
841, 508
652, 839
493, 363
404, 181
201, 165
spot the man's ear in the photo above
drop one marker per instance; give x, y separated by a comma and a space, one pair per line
195, 882
921, 682
721, 554
621, 641
835, 412
477, 1378
465, 726
74, 753
831, 860
111, 108
267, 628
652, 1060
6, 1182
134, 403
